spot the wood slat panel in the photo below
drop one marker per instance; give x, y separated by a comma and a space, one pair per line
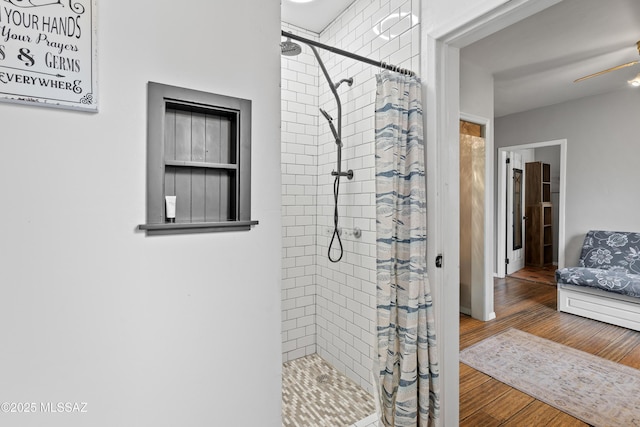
198, 195
183, 177
226, 200
169, 154
212, 178
198, 135
212, 201
169, 181
183, 195
192, 140
212, 140
225, 141
198, 154
170, 135
183, 135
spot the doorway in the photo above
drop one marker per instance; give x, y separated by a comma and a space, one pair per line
530, 152
472, 189
476, 201
441, 62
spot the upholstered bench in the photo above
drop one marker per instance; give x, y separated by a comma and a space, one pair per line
606, 284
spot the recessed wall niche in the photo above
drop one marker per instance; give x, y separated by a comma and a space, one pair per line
198, 150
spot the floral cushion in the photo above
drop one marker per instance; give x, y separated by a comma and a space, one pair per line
611, 249
612, 280
610, 260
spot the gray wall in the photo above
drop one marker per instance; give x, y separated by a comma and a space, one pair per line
159, 331
602, 159
476, 90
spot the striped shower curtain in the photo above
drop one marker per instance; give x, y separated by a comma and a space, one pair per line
406, 368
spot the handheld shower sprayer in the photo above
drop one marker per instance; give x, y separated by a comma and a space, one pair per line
333, 128
326, 115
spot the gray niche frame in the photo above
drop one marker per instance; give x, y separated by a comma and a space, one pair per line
237, 169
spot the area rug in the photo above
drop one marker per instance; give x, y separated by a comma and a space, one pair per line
594, 390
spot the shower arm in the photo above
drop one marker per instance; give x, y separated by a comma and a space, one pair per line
339, 172
332, 87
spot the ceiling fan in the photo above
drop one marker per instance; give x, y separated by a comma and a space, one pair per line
608, 70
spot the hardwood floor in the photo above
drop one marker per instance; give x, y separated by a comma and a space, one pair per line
531, 307
546, 274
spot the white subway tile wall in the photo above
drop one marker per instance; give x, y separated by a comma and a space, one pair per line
329, 308
299, 200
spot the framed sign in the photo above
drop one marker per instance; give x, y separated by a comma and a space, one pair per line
48, 53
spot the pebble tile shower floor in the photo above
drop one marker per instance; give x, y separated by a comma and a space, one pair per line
314, 394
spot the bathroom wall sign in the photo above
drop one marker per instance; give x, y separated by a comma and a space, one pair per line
48, 53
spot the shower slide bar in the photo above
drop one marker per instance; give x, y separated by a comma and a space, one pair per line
364, 59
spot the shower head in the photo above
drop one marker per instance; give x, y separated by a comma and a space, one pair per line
289, 48
333, 128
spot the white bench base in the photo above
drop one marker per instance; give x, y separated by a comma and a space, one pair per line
597, 304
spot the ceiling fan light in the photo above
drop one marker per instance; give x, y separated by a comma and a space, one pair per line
635, 81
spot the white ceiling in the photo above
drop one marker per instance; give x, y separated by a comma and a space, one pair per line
535, 61
314, 16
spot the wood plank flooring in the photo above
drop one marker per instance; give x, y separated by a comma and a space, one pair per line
546, 274
531, 307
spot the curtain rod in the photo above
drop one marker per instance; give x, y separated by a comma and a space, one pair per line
349, 54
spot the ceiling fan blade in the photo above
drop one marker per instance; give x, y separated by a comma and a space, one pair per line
628, 64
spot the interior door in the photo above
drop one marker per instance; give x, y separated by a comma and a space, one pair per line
515, 212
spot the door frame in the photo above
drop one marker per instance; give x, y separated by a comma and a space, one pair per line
501, 248
482, 293
440, 66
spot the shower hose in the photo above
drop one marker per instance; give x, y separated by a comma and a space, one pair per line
336, 232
